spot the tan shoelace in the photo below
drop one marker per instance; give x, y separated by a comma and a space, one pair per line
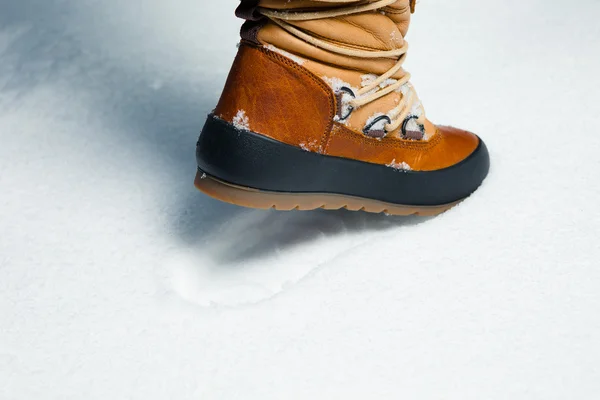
364, 95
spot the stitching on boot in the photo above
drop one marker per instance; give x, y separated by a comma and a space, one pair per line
322, 85
392, 142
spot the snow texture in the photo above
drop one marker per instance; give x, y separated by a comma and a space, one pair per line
379, 125
399, 166
241, 121
336, 85
298, 60
368, 79
413, 125
118, 280
311, 146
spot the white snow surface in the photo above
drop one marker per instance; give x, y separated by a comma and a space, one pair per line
119, 281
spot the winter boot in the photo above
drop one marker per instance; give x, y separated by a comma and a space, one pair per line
318, 112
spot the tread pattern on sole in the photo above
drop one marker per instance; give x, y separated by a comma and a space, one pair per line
253, 198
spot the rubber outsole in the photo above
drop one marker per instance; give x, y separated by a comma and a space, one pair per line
260, 199
249, 169
251, 160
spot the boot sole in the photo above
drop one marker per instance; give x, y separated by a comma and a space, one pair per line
252, 170
264, 200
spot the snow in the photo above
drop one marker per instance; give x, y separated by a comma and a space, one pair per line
311, 146
119, 281
380, 125
336, 85
399, 166
298, 60
368, 79
241, 121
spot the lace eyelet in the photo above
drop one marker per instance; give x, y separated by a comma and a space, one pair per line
411, 133
339, 96
377, 133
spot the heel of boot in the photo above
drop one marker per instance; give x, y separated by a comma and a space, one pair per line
248, 159
273, 95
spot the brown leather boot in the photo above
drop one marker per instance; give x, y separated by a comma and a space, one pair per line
318, 112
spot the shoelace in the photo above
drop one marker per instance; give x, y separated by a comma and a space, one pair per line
363, 96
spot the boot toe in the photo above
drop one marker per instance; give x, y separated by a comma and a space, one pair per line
456, 146
467, 155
